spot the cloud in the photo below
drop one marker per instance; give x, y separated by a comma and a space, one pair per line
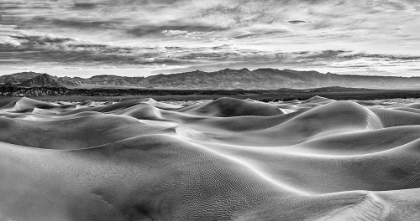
296, 21
84, 5
174, 32
195, 33
54, 49
29, 49
171, 29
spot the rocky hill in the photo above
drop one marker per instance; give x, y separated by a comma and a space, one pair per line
18, 77
259, 79
42, 80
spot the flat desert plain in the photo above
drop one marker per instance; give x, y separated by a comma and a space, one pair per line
226, 159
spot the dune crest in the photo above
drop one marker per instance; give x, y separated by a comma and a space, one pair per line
226, 159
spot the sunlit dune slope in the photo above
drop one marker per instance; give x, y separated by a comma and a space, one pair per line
227, 159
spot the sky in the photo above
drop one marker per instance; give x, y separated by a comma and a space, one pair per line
146, 37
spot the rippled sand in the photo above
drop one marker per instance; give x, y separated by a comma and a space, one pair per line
226, 159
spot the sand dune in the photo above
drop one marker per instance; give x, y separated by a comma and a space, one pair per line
229, 107
226, 159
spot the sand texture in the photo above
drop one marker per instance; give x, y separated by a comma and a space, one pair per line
226, 159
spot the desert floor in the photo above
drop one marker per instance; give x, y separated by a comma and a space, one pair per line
227, 159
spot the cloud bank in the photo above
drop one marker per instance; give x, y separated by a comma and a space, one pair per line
353, 37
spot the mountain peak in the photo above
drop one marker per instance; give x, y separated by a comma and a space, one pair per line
42, 80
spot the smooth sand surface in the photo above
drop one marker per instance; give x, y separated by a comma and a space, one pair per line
226, 159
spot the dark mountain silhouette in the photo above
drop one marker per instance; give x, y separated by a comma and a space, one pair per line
259, 79
42, 80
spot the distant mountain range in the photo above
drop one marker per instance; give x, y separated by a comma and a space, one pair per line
259, 79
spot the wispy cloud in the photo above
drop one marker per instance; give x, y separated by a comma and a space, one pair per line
342, 36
